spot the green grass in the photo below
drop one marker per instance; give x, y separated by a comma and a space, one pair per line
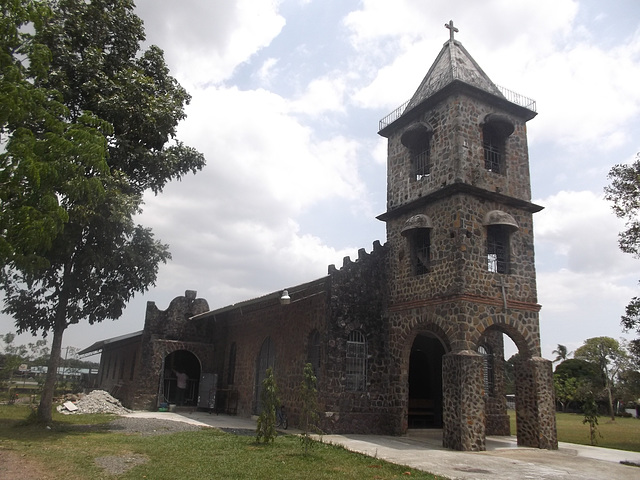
623, 434
69, 453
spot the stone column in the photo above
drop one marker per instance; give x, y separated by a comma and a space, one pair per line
535, 404
463, 401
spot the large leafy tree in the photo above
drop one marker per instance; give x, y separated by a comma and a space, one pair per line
610, 358
113, 112
624, 192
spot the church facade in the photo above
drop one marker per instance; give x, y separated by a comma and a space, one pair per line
409, 335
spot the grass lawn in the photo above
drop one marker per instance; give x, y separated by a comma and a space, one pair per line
207, 453
623, 434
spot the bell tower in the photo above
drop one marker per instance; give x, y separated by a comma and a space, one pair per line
461, 255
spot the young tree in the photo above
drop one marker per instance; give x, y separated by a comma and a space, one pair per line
103, 135
269, 402
590, 411
606, 353
624, 192
309, 414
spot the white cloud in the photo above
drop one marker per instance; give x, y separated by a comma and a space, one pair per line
205, 41
322, 95
581, 228
584, 280
588, 95
238, 233
575, 81
267, 70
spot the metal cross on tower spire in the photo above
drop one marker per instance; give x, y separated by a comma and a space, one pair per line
452, 29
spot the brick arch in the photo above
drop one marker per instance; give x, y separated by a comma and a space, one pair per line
519, 334
428, 328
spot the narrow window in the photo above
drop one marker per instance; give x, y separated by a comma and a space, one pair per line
494, 150
133, 365
417, 139
420, 239
420, 164
314, 351
417, 230
356, 362
487, 368
108, 364
266, 359
495, 131
497, 249
231, 373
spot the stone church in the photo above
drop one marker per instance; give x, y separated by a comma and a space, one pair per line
409, 335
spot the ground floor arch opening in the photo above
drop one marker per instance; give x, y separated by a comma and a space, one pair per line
181, 376
498, 380
425, 383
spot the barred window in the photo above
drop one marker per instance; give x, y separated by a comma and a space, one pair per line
495, 131
356, 362
417, 139
487, 368
494, 150
420, 165
497, 249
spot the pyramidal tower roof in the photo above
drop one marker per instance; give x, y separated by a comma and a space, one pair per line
455, 64
452, 63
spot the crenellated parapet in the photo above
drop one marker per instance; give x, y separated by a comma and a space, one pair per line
378, 253
173, 323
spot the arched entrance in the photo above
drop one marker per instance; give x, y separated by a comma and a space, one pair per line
425, 383
497, 382
175, 364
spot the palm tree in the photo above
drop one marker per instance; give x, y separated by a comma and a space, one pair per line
561, 353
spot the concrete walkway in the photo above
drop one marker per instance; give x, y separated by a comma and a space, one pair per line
422, 449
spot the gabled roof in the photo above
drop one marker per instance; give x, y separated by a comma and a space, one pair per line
98, 346
452, 63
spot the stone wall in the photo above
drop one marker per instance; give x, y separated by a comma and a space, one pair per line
288, 327
359, 292
457, 155
167, 331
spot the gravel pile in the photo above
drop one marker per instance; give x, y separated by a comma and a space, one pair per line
98, 401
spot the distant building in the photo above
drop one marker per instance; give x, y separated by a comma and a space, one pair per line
409, 335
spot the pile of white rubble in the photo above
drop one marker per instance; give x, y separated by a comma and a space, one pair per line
98, 401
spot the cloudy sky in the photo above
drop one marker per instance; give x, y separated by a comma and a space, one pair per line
286, 98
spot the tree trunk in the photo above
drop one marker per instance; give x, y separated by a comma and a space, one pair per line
59, 326
611, 413
48, 390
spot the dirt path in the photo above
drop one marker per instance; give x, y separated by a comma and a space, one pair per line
16, 465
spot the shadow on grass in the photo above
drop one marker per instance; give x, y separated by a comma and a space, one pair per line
19, 422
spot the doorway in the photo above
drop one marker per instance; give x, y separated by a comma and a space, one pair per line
425, 383
181, 362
